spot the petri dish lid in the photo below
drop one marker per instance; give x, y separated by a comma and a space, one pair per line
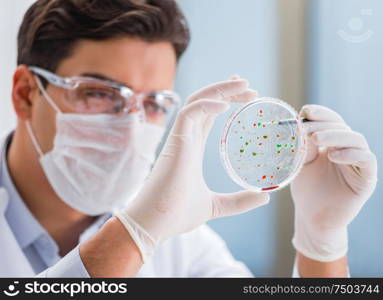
263, 145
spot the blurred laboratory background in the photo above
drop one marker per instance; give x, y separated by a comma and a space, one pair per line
303, 51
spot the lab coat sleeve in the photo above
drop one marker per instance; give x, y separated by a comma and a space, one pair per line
210, 256
70, 265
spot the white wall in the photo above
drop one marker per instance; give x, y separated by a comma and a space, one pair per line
11, 13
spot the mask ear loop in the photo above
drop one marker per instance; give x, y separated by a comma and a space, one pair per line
46, 96
28, 124
33, 138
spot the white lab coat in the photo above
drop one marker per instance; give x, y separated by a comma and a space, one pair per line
199, 253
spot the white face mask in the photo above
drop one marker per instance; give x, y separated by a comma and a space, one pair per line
98, 162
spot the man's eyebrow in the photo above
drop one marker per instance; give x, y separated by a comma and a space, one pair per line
103, 77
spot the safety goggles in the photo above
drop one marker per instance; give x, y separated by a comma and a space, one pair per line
88, 95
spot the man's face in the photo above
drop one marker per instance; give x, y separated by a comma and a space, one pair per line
142, 66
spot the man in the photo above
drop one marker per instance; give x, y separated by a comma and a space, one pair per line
92, 93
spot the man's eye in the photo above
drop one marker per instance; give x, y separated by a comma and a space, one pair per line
153, 107
100, 94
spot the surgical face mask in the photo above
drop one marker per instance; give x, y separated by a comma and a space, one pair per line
98, 162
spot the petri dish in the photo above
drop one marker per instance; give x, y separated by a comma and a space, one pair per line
263, 145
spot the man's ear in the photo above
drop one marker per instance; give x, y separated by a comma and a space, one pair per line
24, 90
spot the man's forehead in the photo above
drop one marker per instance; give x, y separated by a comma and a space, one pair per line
130, 62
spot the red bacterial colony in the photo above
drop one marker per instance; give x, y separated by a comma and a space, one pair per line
270, 188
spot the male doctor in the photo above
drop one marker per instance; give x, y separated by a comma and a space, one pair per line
93, 96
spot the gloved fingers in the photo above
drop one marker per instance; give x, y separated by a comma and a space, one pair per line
236, 203
362, 158
235, 77
314, 126
221, 90
312, 151
197, 112
246, 96
339, 138
320, 113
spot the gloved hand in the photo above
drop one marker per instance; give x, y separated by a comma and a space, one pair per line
339, 175
175, 197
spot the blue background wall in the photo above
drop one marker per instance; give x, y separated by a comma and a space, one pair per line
347, 77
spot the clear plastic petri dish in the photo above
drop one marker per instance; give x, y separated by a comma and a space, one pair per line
263, 145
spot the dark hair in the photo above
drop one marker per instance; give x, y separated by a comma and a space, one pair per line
51, 28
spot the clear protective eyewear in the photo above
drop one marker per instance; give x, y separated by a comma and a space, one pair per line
88, 95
